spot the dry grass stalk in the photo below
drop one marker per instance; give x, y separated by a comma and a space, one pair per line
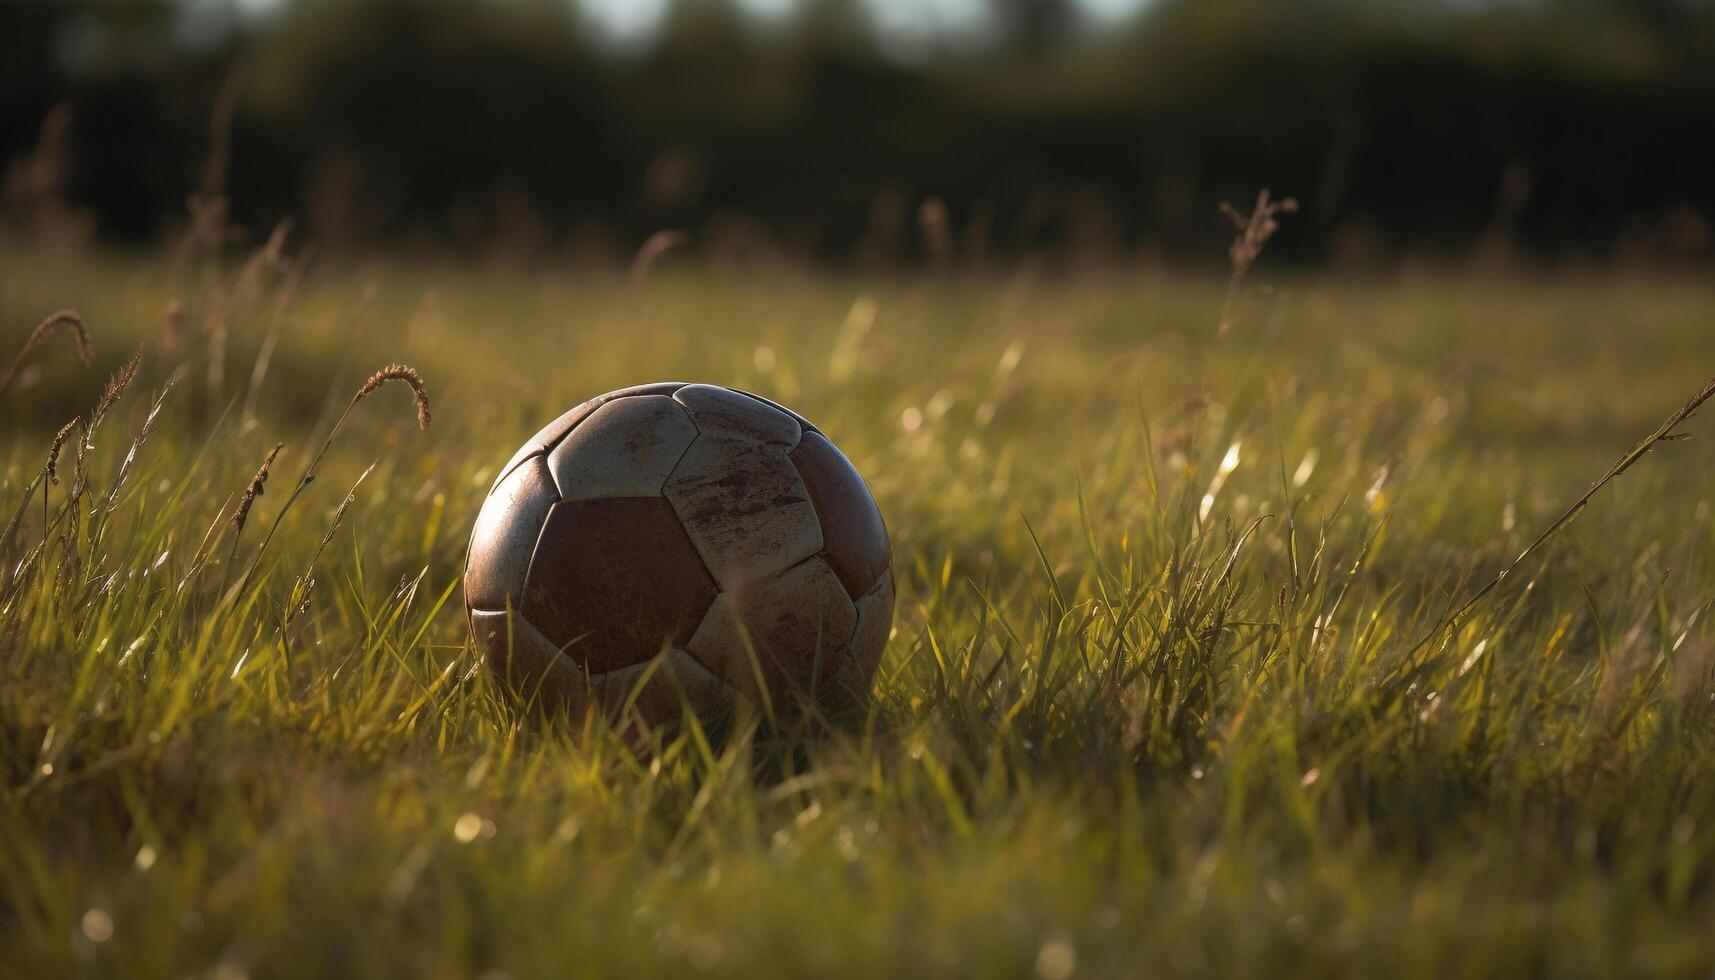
303, 587
173, 326
255, 488
50, 475
303, 607
283, 303
399, 372
1665, 432
937, 228
58, 444
1252, 231
208, 206
392, 372
130, 459
115, 389
245, 290
199, 557
653, 248
33, 204
70, 320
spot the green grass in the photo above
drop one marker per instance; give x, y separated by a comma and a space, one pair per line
1210, 727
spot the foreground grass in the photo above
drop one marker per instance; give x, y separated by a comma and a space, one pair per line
1167, 692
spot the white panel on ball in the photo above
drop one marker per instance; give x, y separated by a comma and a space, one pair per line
869, 639
659, 701
727, 412
744, 508
778, 626
626, 448
517, 651
505, 536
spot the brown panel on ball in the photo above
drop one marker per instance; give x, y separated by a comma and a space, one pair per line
744, 506
626, 448
854, 539
550, 435
505, 537
791, 627
613, 580
525, 661
723, 411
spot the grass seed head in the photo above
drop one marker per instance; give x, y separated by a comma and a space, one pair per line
399, 372
255, 488
70, 320
116, 387
58, 444
1254, 229
652, 249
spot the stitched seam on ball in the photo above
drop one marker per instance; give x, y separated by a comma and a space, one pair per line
765, 403
695, 548
513, 469
804, 424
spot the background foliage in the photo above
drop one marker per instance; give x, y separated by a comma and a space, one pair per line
1568, 127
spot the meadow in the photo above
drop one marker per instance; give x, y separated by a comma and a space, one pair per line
1193, 672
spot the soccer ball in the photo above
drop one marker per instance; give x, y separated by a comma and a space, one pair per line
674, 544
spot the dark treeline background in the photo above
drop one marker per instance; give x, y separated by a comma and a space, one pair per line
1559, 128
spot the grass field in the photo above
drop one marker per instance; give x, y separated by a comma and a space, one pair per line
1217, 723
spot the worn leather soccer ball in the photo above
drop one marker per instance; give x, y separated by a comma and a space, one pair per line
708, 540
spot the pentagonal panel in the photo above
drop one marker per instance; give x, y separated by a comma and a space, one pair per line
505, 537
869, 641
615, 580
523, 659
550, 435
726, 412
789, 629
853, 536
677, 680
744, 506
625, 448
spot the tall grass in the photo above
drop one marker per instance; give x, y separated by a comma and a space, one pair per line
1274, 675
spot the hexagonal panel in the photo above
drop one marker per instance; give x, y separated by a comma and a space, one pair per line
549, 435
722, 411
614, 580
789, 627
625, 448
745, 509
505, 537
853, 536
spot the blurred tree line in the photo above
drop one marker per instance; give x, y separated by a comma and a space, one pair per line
1557, 127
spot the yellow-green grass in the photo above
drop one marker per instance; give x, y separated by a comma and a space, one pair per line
1211, 726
